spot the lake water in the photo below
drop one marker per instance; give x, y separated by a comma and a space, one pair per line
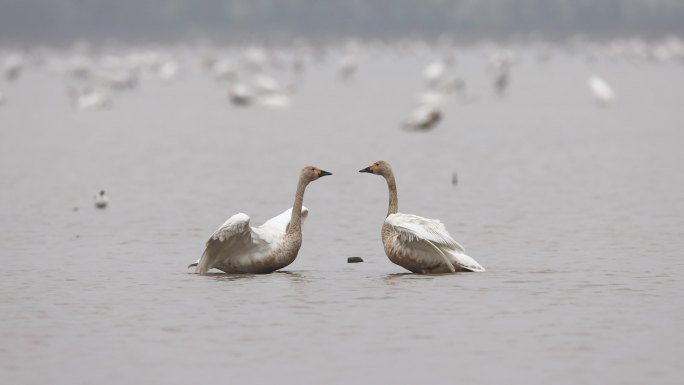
577, 212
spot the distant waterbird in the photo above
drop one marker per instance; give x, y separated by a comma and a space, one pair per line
423, 117
601, 91
238, 248
13, 66
239, 94
418, 244
101, 200
88, 99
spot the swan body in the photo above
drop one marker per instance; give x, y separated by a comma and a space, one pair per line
240, 95
168, 70
238, 248
418, 244
13, 66
602, 92
423, 117
275, 101
434, 72
424, 246
88, 99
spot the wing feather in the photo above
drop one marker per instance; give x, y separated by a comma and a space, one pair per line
282, 221
430, 240
235, 229
413, 228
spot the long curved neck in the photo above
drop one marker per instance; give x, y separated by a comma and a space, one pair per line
296, 218
393, 200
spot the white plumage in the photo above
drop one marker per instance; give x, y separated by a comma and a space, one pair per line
601, 91
101, 200
418, 244
428, 240
423, 117
238, 247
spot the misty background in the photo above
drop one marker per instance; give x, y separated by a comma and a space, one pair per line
62, 20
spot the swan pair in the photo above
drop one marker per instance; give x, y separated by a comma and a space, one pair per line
418, 244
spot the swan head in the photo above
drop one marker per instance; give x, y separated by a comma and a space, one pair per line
378, 168
311, 173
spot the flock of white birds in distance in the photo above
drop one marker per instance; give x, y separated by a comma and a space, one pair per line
269, 77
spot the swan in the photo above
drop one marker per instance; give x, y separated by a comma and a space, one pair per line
418, 244
101, 200
87, 99
240, 95
13, 66
602, 92
424, 117
238, 248
434, 72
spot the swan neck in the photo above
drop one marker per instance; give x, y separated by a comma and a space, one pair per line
393, 200
296, 218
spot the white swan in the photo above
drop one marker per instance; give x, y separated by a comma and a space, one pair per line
87, 99
101, 200
13, 66
239, 94
424, 117
434, 72
602, 92
236, 247
418, 244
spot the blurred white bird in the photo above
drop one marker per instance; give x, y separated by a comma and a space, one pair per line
424, 117
13, 66
347, 67
224, 70
601, 91
101, 200
266, 84
87, 99
239, 94
276, 101
434, 72
168, 70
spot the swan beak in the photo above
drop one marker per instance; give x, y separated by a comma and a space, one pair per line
323, 173
367, 169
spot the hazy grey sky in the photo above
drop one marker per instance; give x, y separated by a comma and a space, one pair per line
170, 19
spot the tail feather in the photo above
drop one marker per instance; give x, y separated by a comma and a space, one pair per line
204, 264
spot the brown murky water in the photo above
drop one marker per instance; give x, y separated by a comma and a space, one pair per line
577, 212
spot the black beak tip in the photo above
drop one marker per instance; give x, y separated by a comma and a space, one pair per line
324, 173
367, 169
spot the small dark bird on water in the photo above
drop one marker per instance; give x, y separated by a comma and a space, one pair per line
354, 259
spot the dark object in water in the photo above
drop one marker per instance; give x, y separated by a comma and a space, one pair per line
354, 259
454, 178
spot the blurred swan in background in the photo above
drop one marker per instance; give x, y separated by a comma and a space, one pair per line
433, 73
236, 247
168, 70
347, 67
418, 244
88, 99
239, 94
601, 91
13, 66
423, 117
